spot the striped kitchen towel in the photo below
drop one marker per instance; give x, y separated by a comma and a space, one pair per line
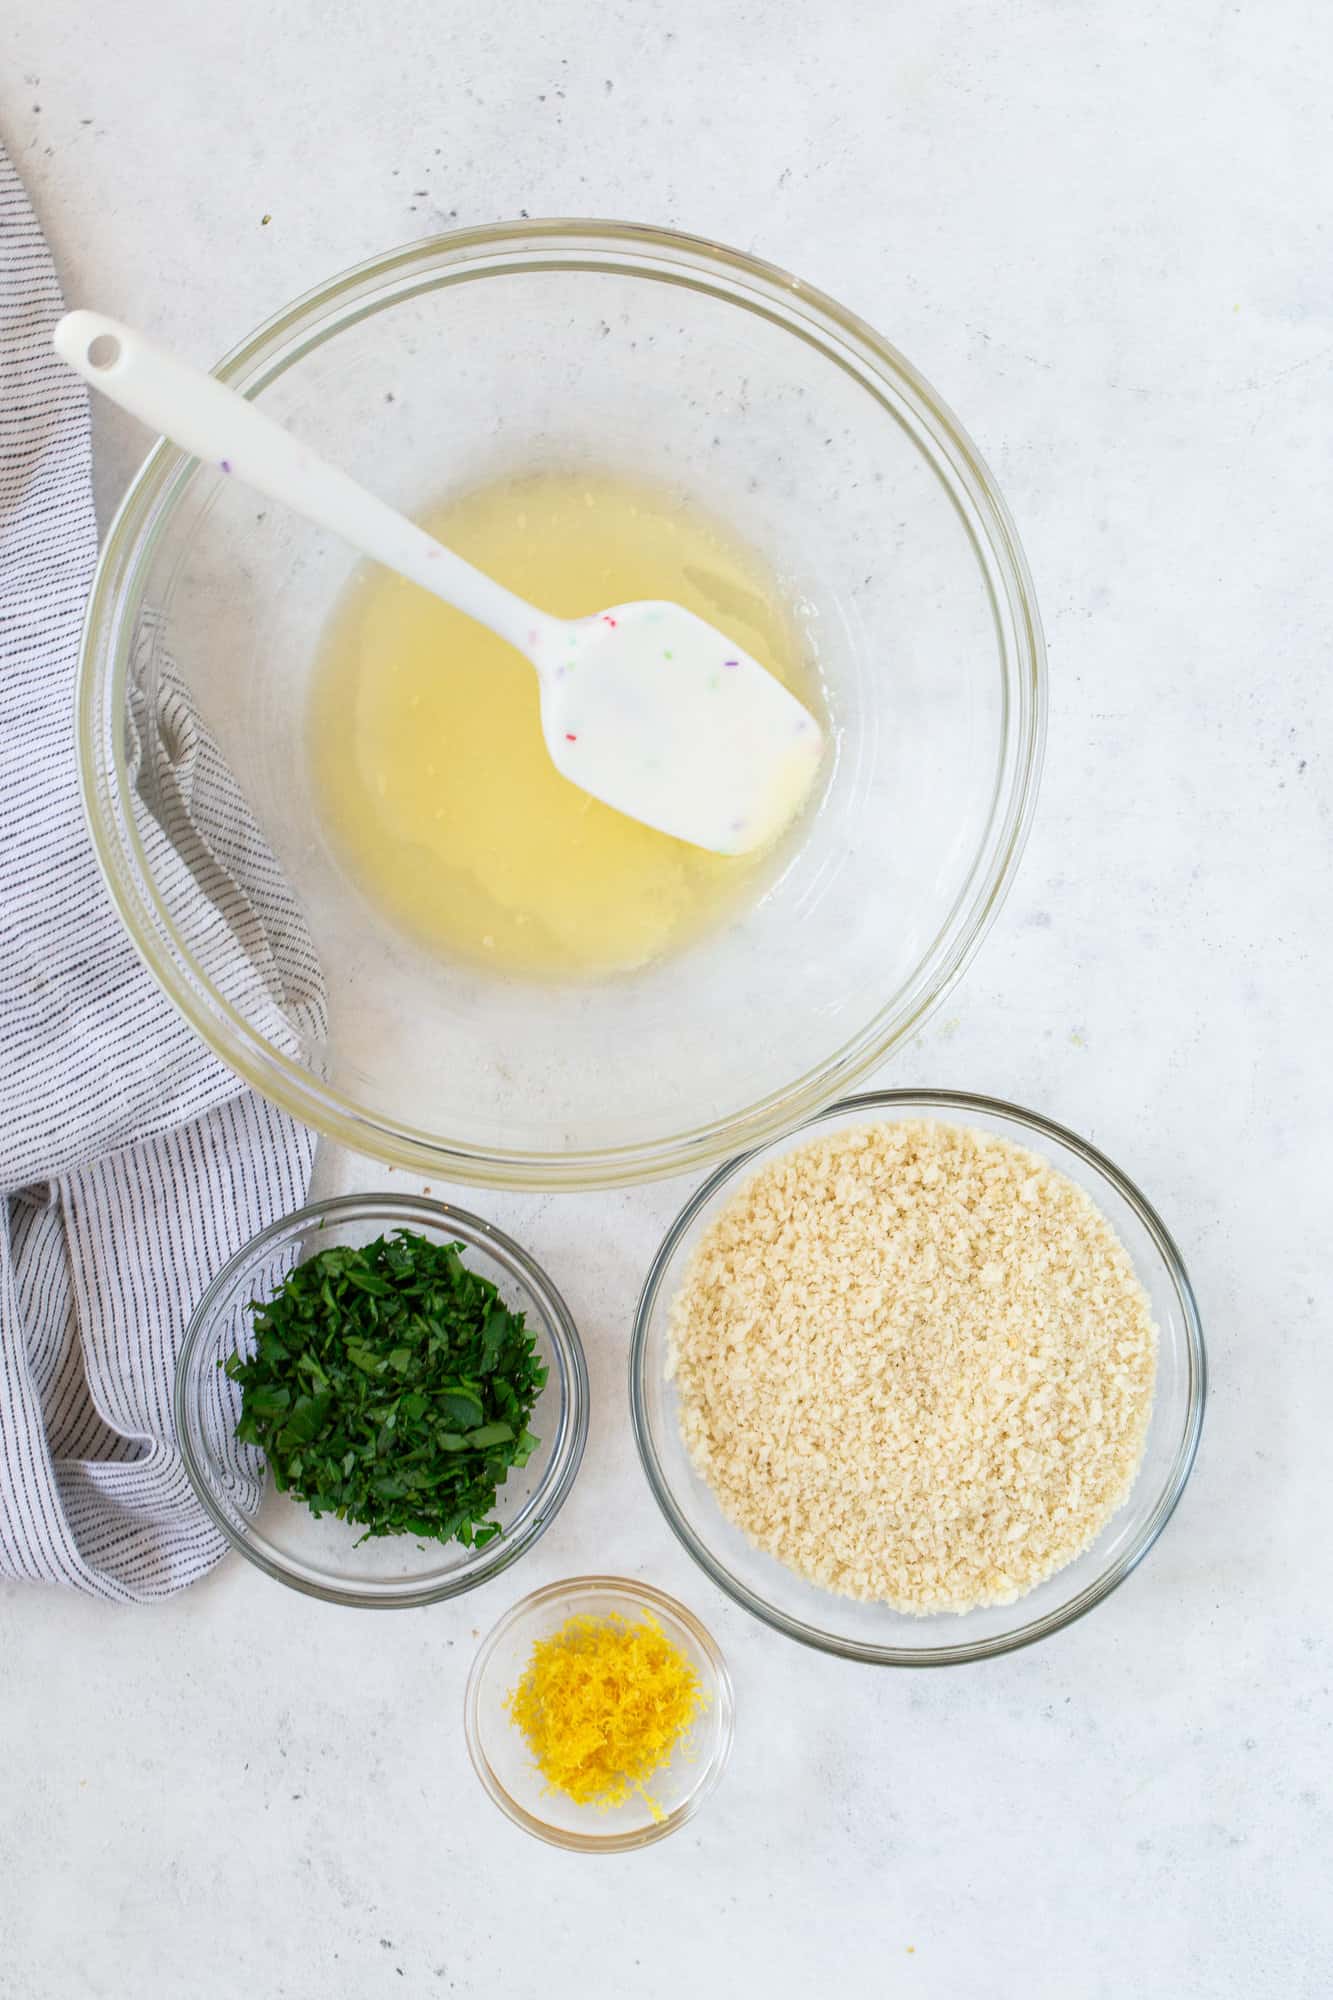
132, 1162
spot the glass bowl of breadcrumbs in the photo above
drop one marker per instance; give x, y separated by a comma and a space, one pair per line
920, 1382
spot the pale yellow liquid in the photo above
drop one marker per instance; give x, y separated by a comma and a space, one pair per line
426, 741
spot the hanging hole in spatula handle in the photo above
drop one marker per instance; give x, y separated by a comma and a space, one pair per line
103, 351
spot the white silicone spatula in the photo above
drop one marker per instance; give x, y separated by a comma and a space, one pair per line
643, 705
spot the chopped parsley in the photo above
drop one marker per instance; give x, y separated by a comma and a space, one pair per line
391, 1386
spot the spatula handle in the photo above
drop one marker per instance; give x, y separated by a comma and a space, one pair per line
221, 427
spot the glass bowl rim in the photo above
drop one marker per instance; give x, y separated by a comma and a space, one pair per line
475, 1232
740, 280
928, 1102
723, 1706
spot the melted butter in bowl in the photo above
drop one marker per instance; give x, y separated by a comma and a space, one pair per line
434, 782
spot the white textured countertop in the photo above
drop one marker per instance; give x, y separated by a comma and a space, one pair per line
1101, 232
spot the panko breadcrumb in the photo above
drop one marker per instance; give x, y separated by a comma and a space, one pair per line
914, 1363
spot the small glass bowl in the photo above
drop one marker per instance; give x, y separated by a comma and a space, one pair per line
500, 1755
875, 1632
326, 1557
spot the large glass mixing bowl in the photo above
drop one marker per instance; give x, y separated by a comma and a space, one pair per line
559, 345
